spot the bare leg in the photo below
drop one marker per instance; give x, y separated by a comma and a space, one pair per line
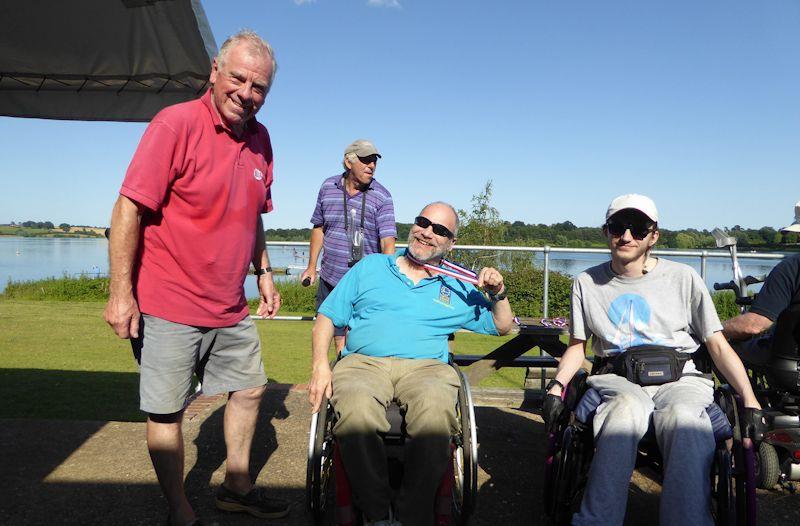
241, 414
165, 444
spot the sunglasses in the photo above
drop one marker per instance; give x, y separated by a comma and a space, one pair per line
439, 230
638, 231
369, 159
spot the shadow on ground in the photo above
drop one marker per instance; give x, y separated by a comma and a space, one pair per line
78, 472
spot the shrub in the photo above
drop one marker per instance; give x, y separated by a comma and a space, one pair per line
725, 303
82, 288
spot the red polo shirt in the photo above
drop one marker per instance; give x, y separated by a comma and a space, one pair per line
204, 189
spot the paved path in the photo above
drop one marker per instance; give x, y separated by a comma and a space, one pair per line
67, 472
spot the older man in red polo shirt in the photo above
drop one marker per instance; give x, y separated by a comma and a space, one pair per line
185, 229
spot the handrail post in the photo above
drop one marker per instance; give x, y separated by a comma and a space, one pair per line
703, 258
546, 281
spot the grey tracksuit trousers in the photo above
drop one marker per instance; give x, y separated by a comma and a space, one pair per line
685, 439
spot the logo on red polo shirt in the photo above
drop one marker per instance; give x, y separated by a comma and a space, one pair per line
257, 174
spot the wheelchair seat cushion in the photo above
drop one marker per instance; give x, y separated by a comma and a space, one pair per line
591, 400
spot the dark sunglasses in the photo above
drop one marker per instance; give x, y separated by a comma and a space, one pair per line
369, 159
638, 231
439, 230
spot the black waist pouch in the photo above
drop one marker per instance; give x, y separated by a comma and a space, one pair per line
649, 364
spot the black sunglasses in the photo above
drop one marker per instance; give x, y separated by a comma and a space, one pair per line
638, 231
369, 159
439, 230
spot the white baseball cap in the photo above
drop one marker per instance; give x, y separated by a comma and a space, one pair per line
638, 202
794, 227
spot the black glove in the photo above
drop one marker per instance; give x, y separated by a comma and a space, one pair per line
755, 424
552, 409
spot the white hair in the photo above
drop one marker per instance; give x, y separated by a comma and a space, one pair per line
255, 45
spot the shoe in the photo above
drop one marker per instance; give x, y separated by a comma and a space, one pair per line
255, 503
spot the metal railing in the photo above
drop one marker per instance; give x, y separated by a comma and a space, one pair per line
546, 250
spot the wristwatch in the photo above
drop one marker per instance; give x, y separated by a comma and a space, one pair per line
501, 296
261, 271
552, 384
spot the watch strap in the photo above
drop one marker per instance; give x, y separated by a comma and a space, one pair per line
261, 271
552, 384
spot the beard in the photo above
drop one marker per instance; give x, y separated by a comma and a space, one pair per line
435, 254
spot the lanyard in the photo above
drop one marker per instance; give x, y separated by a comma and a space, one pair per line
448, 268
363, 203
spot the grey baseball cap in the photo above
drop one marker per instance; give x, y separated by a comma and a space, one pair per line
362, 148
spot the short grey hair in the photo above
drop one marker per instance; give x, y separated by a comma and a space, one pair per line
452, 209
255, 45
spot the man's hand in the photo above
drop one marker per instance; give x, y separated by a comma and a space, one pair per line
122, 313
270, 300
490, 280
310, 274
552, 408
320, 385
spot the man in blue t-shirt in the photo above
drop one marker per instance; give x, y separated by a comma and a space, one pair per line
400, 311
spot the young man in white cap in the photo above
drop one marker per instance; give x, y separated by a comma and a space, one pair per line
781, 290
353, 217
637, 299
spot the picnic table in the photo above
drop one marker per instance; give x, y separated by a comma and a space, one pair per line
544, 333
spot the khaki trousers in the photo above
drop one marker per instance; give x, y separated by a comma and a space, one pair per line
426, 391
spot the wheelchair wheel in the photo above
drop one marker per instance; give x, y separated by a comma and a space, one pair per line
465, 457
563, 488
768, 469
319, 468
723, 489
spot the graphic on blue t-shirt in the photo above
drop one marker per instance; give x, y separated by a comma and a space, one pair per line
630, 316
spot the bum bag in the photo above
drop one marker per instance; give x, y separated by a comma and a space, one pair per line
647, 364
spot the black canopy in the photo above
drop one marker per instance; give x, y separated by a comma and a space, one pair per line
119, 60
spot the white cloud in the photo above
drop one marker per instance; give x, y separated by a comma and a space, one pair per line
301, 2
395, 4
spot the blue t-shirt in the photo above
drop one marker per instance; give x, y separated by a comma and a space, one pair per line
389, 316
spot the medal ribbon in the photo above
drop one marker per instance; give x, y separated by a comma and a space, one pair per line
448, 268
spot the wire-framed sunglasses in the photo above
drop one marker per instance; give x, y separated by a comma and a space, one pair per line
638, 231
439, 230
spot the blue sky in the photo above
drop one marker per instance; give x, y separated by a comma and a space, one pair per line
562, 104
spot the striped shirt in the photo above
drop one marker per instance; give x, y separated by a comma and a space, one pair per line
329, 214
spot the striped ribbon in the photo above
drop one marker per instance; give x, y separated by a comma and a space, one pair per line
448, 268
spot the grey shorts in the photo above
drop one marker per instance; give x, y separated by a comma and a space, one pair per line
224, 359
323, 290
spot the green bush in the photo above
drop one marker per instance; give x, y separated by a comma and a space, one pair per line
525, 286
294, 296
82, 288
725, 303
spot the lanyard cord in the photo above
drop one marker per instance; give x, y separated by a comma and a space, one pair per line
363, 203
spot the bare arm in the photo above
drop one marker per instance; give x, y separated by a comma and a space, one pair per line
387, 245
729, 364
570, 363
122, 310
270, 298
745, 326
313, 255
321, 376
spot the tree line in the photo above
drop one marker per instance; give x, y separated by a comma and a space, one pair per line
482, 225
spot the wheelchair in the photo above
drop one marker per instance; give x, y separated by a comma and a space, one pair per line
773, 363
327, 484
571, 448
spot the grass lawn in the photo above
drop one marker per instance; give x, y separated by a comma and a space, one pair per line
60, 360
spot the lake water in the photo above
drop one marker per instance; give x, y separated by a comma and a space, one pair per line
24, 259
